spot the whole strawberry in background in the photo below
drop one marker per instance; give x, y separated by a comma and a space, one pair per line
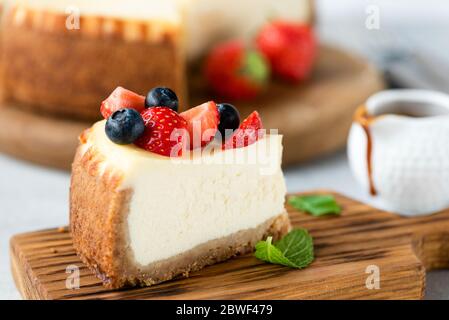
290, 47
235, 72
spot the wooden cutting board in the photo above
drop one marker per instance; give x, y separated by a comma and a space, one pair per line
314, 117
361, 240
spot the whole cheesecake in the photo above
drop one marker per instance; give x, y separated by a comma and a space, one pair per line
64, 56
140, 217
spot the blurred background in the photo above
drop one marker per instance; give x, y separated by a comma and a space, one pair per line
409, 47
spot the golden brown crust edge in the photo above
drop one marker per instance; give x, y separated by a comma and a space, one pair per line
94, 213
63, 72
98, 215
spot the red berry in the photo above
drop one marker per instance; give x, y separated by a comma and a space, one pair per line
202, 124
122, 98
234, 72
290, 48
160, 125
248, 132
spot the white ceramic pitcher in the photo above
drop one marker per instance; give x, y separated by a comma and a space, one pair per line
399, 147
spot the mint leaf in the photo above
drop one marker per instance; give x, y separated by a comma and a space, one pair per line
297, 246
316, 205
267, 252
295, 250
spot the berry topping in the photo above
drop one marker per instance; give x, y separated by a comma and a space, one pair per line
290, 48
202, 122
229, 119
122, 98
162, 97
234, 72
165, 132
248, 132
124, 126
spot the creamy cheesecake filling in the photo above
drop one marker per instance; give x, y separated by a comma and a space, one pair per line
178, 206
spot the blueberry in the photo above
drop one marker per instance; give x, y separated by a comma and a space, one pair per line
162, 97
229, 119
124, 126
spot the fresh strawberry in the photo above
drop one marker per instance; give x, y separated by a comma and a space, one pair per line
234, 72
122, 98
202, 123
160, 125
248, 132
290, 48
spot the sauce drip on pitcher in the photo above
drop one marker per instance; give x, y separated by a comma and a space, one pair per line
365, 119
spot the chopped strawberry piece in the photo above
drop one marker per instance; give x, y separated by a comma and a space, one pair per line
248, 132
165, 132
122, 98
235, 72
202, 123
290, 47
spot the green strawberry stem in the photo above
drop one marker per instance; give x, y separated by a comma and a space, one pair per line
256, 67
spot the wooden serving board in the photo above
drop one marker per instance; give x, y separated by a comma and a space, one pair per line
314, 116
346, 247
39, 139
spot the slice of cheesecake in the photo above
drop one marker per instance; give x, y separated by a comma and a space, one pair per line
140, 218
64, 56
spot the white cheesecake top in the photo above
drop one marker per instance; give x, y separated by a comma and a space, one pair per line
167, 10
266, 154
177, 206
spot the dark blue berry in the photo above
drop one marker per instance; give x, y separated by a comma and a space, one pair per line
162, 97
229, 119
124, 126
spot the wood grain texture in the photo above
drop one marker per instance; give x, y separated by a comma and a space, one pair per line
40, 139
403, 248
315, 117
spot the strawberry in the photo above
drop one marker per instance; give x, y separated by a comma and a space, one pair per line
234, 72
247, 134
122, 98
160, 125
290, 48
202, 123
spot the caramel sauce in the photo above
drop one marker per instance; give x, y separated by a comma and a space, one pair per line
365, 120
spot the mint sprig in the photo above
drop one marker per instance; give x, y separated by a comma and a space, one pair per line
316, 205
295, 250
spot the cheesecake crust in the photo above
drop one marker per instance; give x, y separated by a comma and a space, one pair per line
65, 71
98, 221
